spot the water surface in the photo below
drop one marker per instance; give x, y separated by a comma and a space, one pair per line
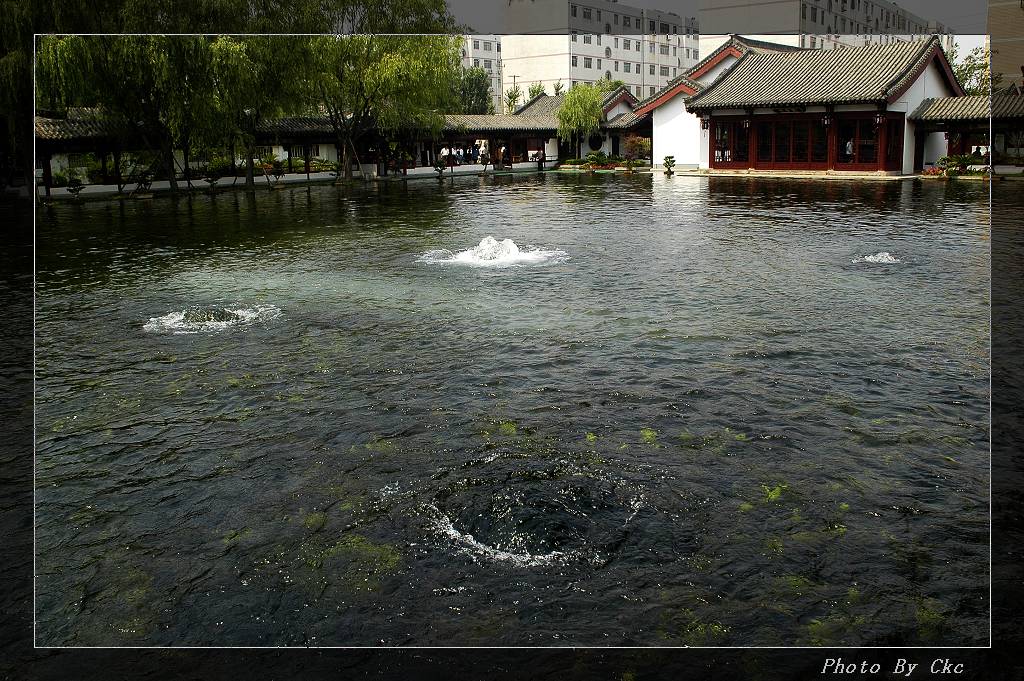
680, 412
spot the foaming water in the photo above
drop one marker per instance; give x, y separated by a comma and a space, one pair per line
210, 319
883, 258
493, 253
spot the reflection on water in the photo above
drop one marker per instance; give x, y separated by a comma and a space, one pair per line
656, 411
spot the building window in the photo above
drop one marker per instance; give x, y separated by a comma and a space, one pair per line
626, 21
625, 67
638, 68
625, 44
650, 47
650, 26
587, 13
652, 91
574, 36
675, 30
814, 14
587, 38
607, 52
663, 49
616, 43
574, 62
616, 19
652, 69
599, 15
616, 66
636, 44
476, 44
664, 70
673, 72
487, 64
497, 47
687, 52
573, 10
476, 63
695, 54
664, 28
588, 63
803, 12
598, 64
487, 46
599, 39
674, 52
812, 42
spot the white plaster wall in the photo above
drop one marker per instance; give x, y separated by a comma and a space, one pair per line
551, 149
677, 133
716, 72
535, 59
929, 84
620, 108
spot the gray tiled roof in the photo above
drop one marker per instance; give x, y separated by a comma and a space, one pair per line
78, 124
742, 44
541, 105
498, 122
847, 75
296, 124
625, 120
975, 107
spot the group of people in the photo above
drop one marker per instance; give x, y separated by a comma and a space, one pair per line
460, 155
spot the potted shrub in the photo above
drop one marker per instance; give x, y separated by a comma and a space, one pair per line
669, 163
75, 186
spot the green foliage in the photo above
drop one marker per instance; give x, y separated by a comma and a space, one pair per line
637, 147
535, 89
669, 163
597, 158
474, 95
974, 71
773, 494
581, 112
558, 87
512, 97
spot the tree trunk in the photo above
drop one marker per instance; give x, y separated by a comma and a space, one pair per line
188, 168
346, 162
168, 154
250, 177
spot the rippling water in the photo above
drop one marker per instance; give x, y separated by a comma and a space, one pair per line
680, 412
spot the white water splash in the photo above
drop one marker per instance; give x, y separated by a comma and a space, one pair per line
883, 258
493, 253
443, 525
197, 319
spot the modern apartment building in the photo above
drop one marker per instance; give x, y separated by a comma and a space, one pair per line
484, 51
583, 41
1006, 36
824, 24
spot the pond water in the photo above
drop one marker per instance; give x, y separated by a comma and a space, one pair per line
667, 411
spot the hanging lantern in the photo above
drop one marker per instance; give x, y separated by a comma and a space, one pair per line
826, 120
746, 124
705, 122
879, 119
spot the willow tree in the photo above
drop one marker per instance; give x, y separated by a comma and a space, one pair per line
974, 70
581, 113
381, 83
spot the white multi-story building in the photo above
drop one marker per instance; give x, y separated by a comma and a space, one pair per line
825, 24
484, 51
583, 41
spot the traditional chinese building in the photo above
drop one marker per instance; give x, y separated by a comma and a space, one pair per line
760, 106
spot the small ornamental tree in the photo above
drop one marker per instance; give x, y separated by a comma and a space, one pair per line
669, 163
536, 89
558, 87
637, 147
512, 97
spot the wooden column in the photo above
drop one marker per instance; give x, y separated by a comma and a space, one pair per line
305, 158
289, 158
881, 154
